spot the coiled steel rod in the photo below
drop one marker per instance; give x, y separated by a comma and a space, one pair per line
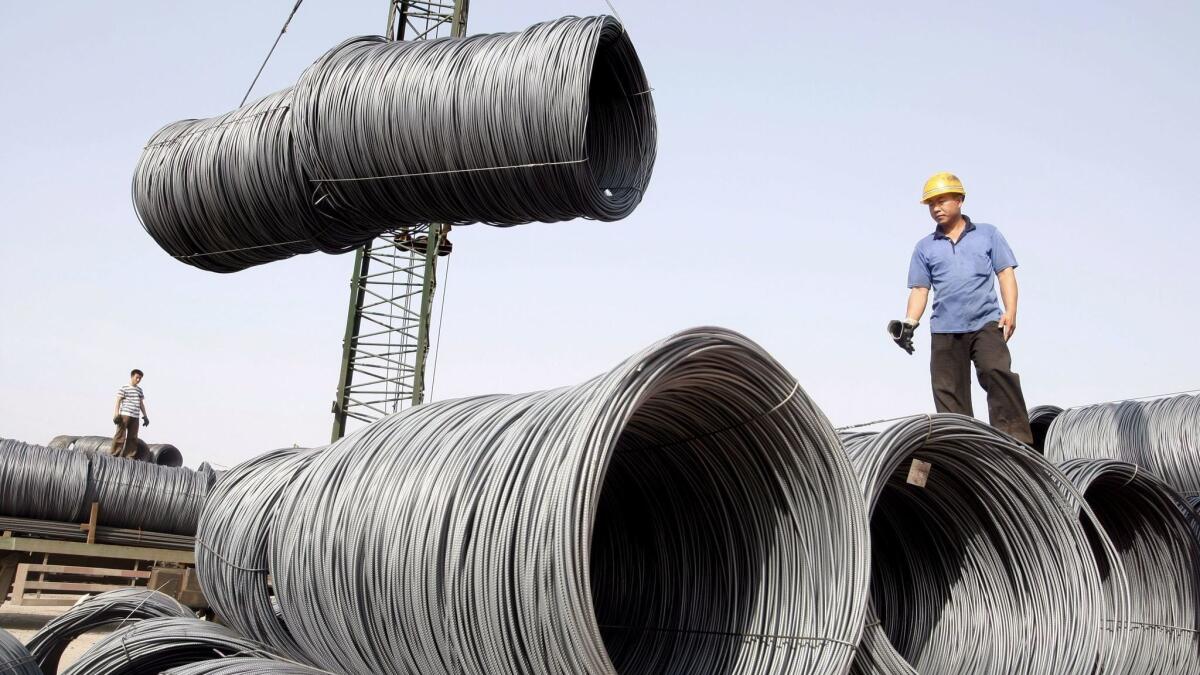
1154, 534
245, 666
140, 495
986, 568
155, 645
1040, 419
15, 659
1162, 436
689, 511
113, 608
37, 482
552, 123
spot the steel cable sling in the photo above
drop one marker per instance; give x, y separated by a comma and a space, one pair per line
689, 511
1162, 436
113, 608
1153, 530
548, 124
15, 659
155, 645
986, 568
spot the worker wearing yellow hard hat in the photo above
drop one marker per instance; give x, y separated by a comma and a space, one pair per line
961, 261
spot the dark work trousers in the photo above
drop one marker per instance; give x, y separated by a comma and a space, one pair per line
125, 439
950, 368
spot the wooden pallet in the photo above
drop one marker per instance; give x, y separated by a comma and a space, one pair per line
39, 591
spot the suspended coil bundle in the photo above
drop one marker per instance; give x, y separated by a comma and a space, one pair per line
1040, 419
232, 543
165, 454
15, 659
245, 666
548, 124
112, 608
986, 567
1162, 436
1154, 534
92, 445
37, 482
689, 511
140, 495
155, 645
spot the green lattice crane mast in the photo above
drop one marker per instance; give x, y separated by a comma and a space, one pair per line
395, 276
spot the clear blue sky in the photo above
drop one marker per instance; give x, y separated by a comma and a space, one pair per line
794, 139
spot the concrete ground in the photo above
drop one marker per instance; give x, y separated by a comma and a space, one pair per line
23, 622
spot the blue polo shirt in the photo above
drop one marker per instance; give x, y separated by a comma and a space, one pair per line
961, 275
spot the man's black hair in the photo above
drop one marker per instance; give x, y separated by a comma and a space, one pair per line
135, 371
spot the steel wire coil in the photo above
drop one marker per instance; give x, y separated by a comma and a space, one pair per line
112, 608
232, 543
245, 666
140, 495
61, 442
155, 645
102, 445
548, 124
15, 659
1154, 534
104, 534
164, 454
1162, 436
987, 568
1040, 419
689, 511
37, 482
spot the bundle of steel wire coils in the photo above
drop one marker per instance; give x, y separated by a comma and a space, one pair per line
163, 454
15, 659
548, 124
59, 485
689, 511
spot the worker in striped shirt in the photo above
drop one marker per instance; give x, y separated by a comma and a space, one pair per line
131, 407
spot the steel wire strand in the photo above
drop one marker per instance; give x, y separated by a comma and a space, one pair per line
245, 666
548, 124
15, 659
1153, 530
112, 608
155, 645
1040, 419
38, 482
690, 511
988, 567
141, 495
1161, 435
231, 545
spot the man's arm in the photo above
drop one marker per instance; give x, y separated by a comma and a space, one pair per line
117, 409
918, 297
1008, 294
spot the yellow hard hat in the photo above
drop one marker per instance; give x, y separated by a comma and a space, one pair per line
943, 183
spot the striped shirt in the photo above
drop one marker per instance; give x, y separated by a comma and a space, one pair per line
131, 400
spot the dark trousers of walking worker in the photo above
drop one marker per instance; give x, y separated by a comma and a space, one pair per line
125, 440
950, 369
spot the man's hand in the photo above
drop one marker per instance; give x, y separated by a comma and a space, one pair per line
116, 419
902, 333
145, 421
1008, 324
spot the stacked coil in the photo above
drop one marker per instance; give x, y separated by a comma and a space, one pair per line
548, 124
37, 482
245, 666
15, 659
689, 511
145, 496
155, 645
1162, 436
102, 445
113, 608
1153, 531
985, 567
1040, 419
165, 454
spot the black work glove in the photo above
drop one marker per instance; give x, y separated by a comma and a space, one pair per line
145, 421
902, 333
116, 419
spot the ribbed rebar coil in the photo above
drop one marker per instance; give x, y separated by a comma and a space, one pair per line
1162, 436
987, 567
232, 541
689, 511
112, 608
37, 482
15, 659
154, 645
245, 666
548, 124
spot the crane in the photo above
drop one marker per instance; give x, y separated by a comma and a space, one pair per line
394, 279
